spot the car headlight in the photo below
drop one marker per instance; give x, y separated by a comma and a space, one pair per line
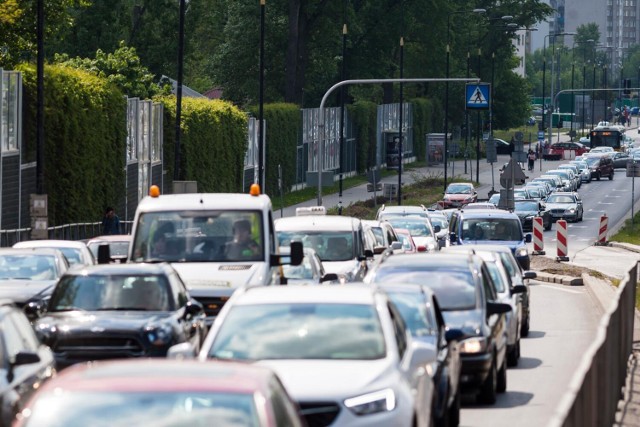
473, 345
372, 403
572, 210
521, 252
159, 334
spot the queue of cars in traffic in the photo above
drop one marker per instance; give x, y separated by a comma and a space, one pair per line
382, 322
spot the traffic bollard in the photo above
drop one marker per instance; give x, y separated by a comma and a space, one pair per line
538, 242
561, 226
602, 235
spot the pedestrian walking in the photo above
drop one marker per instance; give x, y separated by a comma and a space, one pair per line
531, 156
110, 222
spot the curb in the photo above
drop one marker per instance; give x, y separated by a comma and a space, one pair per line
559, 279
627, 246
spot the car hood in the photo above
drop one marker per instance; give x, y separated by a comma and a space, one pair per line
21, 291
468, 321
348, 267
458, 196
562, 206
424, 241
221, 278
113, 321
309, 380
524, 214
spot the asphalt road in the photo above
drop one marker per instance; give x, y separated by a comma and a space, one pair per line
563, 325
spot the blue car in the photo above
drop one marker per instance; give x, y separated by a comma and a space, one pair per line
496, 227
634, 111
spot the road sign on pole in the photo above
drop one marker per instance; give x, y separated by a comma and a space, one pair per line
478, 96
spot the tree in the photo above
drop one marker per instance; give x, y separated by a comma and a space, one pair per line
585, 32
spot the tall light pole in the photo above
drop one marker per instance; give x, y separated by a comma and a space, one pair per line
584, 82
342, 95
261, 105
40, 100
400, 117
446, 96
553, 36
177, 173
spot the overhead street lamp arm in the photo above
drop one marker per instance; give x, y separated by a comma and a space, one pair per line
364, 81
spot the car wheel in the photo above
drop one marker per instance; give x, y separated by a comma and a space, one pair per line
501, 385
512, 356
524, 328
598, 176
488, 391
454, 411
548, 226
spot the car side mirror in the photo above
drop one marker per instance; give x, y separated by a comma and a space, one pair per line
453, 238
397, 245
329, 277
25, 358
527, 238
453, 335
104, 254
437, 228
34, 310
193, 308
528, 274
297, 253
180, 351
497, 308
421, 353
519, 289
368, 253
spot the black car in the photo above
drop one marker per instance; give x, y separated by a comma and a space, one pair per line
601, 165
462, 284
25, 362
419, 309
620, 160
529, 209
119, 311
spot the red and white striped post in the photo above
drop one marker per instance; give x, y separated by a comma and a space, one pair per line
602, 234
561, 245
538, 242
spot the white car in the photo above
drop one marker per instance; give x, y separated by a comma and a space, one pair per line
344, 346
76, 253
601, 150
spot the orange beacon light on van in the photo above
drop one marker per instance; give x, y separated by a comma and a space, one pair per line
154, 191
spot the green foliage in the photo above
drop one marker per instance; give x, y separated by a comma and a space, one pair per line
212, 145
283, 126
122, 67
363, 114
587, 34
84, 125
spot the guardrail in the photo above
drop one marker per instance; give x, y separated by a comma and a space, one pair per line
76, 231
596, 387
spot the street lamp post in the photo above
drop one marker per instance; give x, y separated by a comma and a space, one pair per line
40, 100
552, 75
261, 105
342, 96
177, 175
446, 96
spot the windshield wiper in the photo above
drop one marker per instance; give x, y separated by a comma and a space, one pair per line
121, 309
60, 309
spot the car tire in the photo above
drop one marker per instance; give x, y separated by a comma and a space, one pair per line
513, 356
488, 390
501, 385
598, 176
548, 226
524, 328
454, 411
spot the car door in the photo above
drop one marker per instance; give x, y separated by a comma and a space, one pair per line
192, 325
495, 322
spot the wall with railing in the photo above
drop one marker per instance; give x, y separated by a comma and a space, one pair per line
596, 387
77, 231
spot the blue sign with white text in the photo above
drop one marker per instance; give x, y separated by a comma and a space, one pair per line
477, 96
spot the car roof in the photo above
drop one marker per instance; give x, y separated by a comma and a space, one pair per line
24, 251
424, 259
162, 375
122, 269
317, 223
111, 238
347, 294
50, 244
204, 201
489, 213
482, 247
406, 288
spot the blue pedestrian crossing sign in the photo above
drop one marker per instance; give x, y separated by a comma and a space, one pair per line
477, 96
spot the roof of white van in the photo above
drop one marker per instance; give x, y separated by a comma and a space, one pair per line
204, 201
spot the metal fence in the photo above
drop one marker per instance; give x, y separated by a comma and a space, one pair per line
77, 231
596, 387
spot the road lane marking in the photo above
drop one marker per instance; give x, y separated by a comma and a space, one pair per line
603, 203
557, 288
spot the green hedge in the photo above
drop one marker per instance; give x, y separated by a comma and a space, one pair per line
85, 134
283, 128
364, 117
213, 143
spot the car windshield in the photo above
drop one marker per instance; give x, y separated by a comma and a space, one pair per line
458, 189
441, 221
561, 174
454, 287
73, 255
558, 198
303, 271
31, 266
496, 276
379, 235
526, 206
416, 227
502, 229
592, 161
389, 212
138, 408
300, 331
112, 292
116, 249
405, 238
199, 236
413, 310
329, 245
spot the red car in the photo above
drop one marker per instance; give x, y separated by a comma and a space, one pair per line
458, 194
153, 392
565, 151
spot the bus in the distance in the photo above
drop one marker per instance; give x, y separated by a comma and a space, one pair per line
609, 136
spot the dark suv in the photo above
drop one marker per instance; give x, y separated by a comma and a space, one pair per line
495, 227
462, 284
600, 165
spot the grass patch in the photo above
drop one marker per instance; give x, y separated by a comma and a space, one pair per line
629, 233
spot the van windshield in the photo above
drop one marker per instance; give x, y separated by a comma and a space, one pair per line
199, 236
